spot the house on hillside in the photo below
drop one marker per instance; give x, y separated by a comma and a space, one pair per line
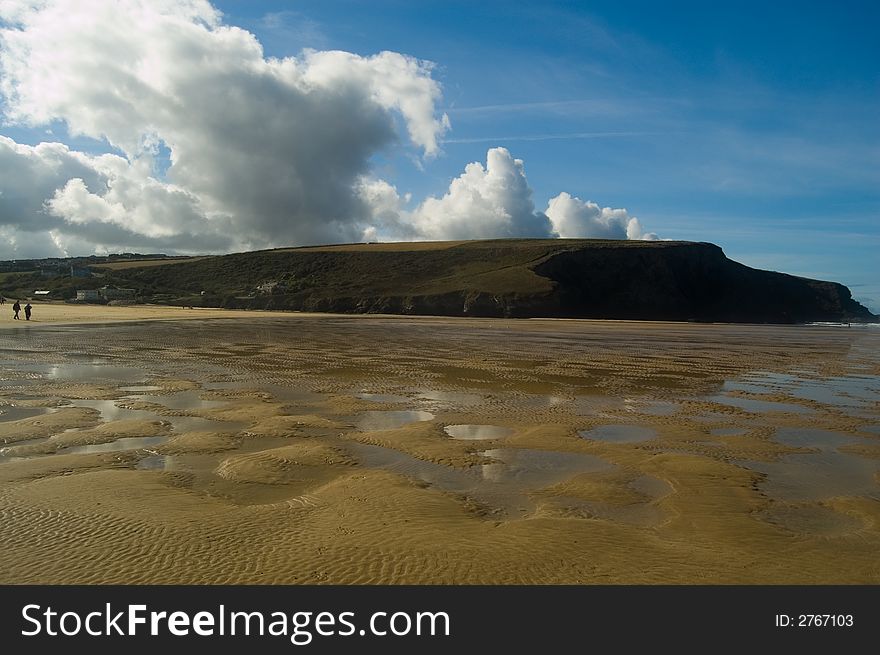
268, 287
88, 295
107, 292
117, 293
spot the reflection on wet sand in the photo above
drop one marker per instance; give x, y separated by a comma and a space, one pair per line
502, 485
470, 432
619, 433
376, 449
819, 475
378, 420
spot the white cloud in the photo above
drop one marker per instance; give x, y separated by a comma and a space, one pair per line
495, 201
54, 197
573, 217
388, 218
263, 151
275, 148
489, 202
29, 175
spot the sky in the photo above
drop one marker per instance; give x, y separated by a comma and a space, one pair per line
190, 127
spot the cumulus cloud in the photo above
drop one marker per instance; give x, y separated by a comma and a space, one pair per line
29, 175
494, 201
54, 199
388, 218
491, 201
261, 151
573, 217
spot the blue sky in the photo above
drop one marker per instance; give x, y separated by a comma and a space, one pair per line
752, 125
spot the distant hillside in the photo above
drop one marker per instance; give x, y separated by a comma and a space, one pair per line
576, 278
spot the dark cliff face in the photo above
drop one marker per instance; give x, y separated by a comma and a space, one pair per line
692, 281
675, 281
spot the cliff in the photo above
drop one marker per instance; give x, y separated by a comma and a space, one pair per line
659, 280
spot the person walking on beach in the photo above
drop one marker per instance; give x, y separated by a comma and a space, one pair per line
27, 312
15, 309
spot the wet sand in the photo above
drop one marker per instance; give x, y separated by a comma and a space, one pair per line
249, 447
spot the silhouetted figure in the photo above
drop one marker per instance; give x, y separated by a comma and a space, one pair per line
15, 309
27, 312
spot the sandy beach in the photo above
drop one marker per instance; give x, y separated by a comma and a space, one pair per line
168, 445
53, 313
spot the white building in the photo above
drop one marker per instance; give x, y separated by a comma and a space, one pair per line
117, 293
86, 295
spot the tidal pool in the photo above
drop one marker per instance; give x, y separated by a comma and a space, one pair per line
391, 420
187, 400
451, 397
728, 432
383, 398
470, 432
15, 413
814, 438
817, 476
126, 443
759, 406
93, 371
851, 391
619, 433
110, 411
504, 485
811, 519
